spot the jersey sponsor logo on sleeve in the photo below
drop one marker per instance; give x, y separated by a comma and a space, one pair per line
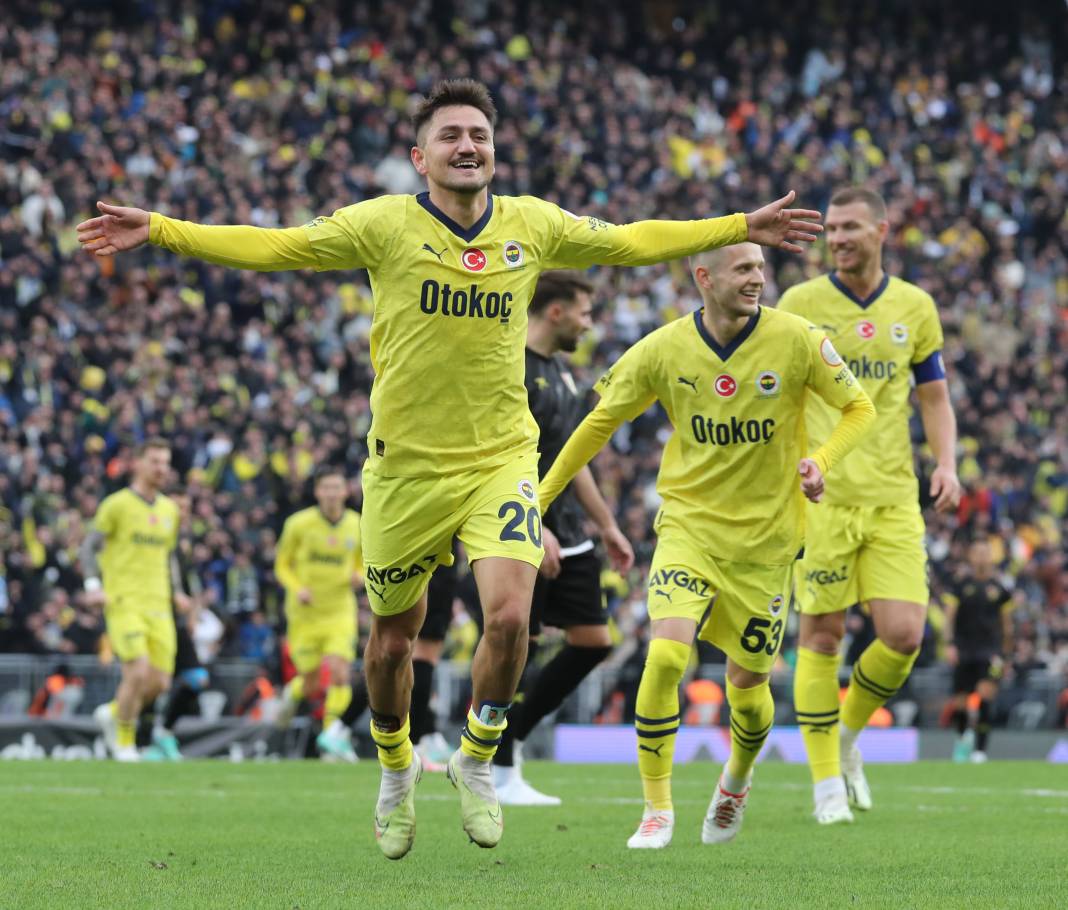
527, 491
843, 376
899, 333
473, 259
866, 329
513, 254
830, 356
768, 383
725, 385
606, 380
596, 224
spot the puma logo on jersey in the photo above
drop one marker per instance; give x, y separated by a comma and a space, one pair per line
655, 751
681, 579
664, 593
430, 249
692, 383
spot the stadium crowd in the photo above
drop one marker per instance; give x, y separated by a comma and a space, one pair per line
274, 112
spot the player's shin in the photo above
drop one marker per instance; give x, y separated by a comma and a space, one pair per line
656, 717
877, 675
336, 702
816, 705
752, 714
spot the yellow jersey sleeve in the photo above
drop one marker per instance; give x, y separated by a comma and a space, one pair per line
358, 236
239, 246
626, 388
832, 380
588, 439
578, 242
286, 556
106, 519
929, 338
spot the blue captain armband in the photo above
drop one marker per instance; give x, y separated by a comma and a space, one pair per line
930, 369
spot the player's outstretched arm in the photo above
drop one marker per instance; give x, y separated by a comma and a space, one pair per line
588, 439
784, 228
120, 228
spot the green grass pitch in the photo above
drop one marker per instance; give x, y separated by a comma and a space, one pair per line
298, 835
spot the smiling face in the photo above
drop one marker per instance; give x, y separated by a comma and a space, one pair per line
455, 150
731, 279
854, 235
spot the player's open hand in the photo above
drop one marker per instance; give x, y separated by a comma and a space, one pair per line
183, 603
550, 563
811, 479
620, 552
777, 226
945, 489
115, 230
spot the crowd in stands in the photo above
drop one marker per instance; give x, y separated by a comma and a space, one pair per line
273, 112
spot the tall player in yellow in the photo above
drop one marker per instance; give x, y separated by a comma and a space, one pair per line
319, 563
734, 379
452, 445
130, 568
865, 543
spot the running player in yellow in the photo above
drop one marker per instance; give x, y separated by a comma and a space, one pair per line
131, 570
319, 563
865, 543
734, 379
452, 445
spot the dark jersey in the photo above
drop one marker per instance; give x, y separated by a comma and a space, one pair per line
977, 629
557, 409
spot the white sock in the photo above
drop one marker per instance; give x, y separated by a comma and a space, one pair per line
831, 786
478, 776
504, 775
732, 784
848, 737
393, 787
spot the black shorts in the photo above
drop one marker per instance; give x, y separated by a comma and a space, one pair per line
969, 672
573, 598
440, 594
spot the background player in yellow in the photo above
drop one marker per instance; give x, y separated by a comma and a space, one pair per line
865, 542
452, 445
319, 563
734, 379
131, 570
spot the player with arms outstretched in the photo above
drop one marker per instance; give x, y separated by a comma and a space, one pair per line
865, 542
130, 568
734, 378
452, 445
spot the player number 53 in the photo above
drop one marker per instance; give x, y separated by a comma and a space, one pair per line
762, 635
517, 513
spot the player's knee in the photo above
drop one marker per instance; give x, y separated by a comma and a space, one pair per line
667, 659
822, 641
390, 647
904, 640
508, 622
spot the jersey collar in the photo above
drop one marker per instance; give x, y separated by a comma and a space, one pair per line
465, 234
148, 502
323, 516
720, 351
865, 302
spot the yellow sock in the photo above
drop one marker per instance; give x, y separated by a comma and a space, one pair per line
294, 689
126, 734
394, 749
481, 740
337, 700
752, 714
816, 704
113, 706
877, 675
656, 717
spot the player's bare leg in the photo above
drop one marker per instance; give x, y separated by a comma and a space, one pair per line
505, 587
877, 675
118, 718
388, 668
752, 714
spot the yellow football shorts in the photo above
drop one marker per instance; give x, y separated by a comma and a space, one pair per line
857, 554
748, 600
408, 524
139, 631
312, 638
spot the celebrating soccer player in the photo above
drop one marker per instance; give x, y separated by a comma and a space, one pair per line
132, 543
978, 642
734, 379
319, 563
452, 445
866, 542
